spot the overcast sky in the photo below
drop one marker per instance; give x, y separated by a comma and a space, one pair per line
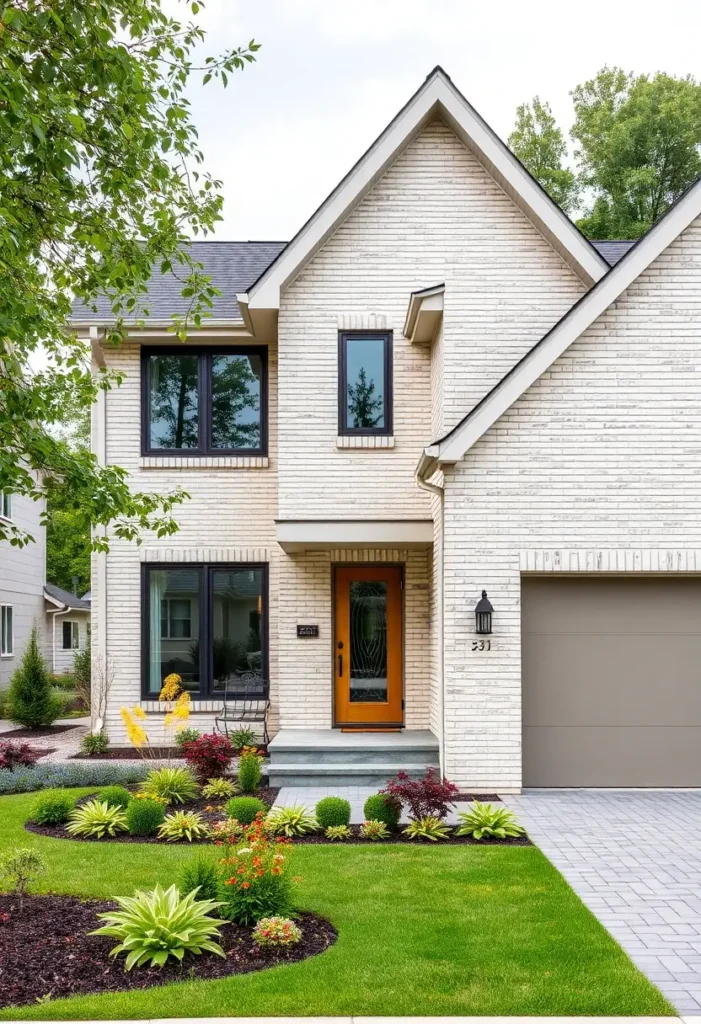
332, 73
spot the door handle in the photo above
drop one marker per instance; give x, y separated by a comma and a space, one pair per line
340, 664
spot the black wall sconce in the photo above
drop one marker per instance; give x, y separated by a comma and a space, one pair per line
483, 615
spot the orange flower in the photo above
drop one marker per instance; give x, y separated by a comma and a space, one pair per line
246, 885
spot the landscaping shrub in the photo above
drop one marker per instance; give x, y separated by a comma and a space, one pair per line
65, 776
65, 681
201, 874
183, 825
218, 789
333, 810
20, 868
226, 830
291, 821
255, 881
250, 772
485, 820
430, 796
18, 755
31, 701
115, 796
244, 808
152, 926
52, 807
427, 828
176, 785
96, 819
381, 807
276, 933
186, 736
209, 756
82, 671
334, 832
94, 743
241, 738
374, 830
144, 817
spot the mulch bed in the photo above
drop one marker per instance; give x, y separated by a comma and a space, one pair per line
46, 951
130, 754
265, 793
35, 734
319, 839
484, 798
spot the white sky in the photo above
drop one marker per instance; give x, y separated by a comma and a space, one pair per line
332, 73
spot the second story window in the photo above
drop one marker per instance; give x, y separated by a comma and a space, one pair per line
204, 401
365, 382
5, 505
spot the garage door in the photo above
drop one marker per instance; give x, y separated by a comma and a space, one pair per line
611, 682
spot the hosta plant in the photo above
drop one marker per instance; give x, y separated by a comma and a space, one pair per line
374, 830
427, 828
218, 789
335, 832
295, 820
175, 785
96, 819
183, 825
276, 932
152, 926
485, 820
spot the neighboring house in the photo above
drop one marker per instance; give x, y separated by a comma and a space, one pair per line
438, 387
67, 627
22, 576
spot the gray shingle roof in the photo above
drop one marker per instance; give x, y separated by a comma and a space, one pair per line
233, 267
70, 600
613, 250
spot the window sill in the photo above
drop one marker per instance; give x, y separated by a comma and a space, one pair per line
365, 441
6, 657
203, 462
197, 704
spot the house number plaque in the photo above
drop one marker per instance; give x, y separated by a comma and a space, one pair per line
481, 645
307, 630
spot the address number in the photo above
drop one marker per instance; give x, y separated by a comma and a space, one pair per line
481, 645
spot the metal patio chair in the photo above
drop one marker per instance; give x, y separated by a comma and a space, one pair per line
246, 702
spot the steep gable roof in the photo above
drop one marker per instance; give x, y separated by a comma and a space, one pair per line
436, 98
451, 448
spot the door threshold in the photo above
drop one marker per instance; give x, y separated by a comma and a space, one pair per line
372, 728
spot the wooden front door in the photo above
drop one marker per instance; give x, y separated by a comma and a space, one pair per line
368, 656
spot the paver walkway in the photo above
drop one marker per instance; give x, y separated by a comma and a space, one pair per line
634, 858
63, 744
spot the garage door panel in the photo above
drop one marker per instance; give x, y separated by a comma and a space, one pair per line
613, 679
611, 757
611, 672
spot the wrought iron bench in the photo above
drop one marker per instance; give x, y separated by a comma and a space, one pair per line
246, 702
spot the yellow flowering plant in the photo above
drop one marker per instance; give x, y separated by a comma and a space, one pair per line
177, 707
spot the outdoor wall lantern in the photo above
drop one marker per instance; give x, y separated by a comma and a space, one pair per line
483, 615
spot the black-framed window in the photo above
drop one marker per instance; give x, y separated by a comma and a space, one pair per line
208, 623
204, 401
71, 635
364, 382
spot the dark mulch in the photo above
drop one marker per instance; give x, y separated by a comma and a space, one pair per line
46, 951
211, 810
319, 839
48, 730
128, 754
484, 798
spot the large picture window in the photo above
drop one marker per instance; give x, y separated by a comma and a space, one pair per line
204, 401
365, 382
208, 623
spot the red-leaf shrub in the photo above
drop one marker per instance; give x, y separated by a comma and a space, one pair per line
429, 796
209, 755
18, 755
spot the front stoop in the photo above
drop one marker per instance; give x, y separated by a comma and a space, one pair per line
329, 757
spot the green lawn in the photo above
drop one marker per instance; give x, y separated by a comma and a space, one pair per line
451, 930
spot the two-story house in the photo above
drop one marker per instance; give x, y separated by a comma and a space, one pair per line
438, 387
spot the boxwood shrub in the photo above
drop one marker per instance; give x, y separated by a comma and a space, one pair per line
333, 810
144, 817
115, 796
245, 808
52, 807
380, 807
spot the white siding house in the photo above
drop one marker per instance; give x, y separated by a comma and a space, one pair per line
22, 575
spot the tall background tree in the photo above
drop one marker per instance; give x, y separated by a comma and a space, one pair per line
101, 184
637, 148
67, 534
540, 146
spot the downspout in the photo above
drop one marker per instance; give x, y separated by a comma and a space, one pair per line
54, 616
438, 490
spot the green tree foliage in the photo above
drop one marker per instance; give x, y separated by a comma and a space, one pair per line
101, 184
31, 700
67, 522
638, 139
540, 146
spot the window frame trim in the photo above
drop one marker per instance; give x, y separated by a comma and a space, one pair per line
206, 603
388, 367
6, 518
204, 356
75, 628
11, 652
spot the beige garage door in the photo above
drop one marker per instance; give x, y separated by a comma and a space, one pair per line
611, 682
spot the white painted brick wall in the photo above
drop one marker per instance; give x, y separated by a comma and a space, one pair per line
596, 468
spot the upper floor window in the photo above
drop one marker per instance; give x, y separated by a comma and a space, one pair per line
204, 401
71, 635
7, 635
365, 382
5, 505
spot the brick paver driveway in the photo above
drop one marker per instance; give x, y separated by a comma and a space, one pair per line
634, 858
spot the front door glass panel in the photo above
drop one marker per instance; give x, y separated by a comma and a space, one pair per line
368, 641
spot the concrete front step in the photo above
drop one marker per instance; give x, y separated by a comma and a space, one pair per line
409, 756
339, 774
